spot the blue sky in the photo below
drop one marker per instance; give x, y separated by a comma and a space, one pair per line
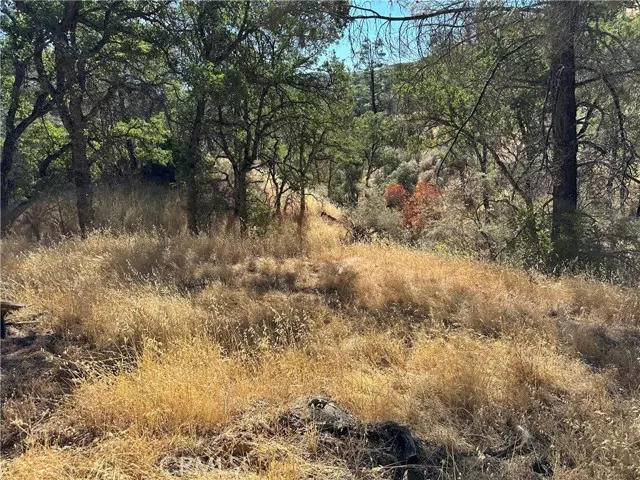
370, 28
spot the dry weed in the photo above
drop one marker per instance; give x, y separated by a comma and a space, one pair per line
461, 351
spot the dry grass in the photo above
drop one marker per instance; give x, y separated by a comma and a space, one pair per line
208, 328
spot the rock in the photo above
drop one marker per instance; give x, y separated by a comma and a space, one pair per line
387, 444
329, 416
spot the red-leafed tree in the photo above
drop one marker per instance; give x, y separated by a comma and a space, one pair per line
395, 195
422, 204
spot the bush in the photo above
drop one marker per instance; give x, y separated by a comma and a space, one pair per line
395, 195
372, 214
406, 175
422, 205
259, 212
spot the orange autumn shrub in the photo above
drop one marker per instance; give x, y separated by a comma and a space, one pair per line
421, 204
395, 195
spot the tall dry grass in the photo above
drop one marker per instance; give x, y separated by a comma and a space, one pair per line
210, 327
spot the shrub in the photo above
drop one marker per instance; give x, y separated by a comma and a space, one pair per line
395, 195
406, 175
259, 212
371, 214
423, 203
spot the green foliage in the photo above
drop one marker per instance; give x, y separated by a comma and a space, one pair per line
232, 94
33, 172
149, 136
373, 132
406, 175
531, 245
259, 213
372, 214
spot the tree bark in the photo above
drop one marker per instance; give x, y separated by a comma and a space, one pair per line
485, 181
192, 204
564, 234
71, 81
131, 151
240, 207
193, 162
303, 205
277, 202
372, 89
353, 174
277, 205
80, 165
13, 133
7, 162
531, 228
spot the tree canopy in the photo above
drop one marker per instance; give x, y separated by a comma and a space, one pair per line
521, 117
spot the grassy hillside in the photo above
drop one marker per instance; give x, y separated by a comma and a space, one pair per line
151, 346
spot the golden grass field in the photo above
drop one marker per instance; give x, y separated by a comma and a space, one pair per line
180, 345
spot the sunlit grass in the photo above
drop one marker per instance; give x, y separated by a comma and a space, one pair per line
208, 327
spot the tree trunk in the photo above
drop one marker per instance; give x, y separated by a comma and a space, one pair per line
11, 136
240, 208
192, 204
71, 79
193, 162
372, 89
330, 179
277, 202
369, 158
277, 206
80, 165
530, 224
133, 160
7, 162
9, 216
485, 182
303, 205
564, 234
